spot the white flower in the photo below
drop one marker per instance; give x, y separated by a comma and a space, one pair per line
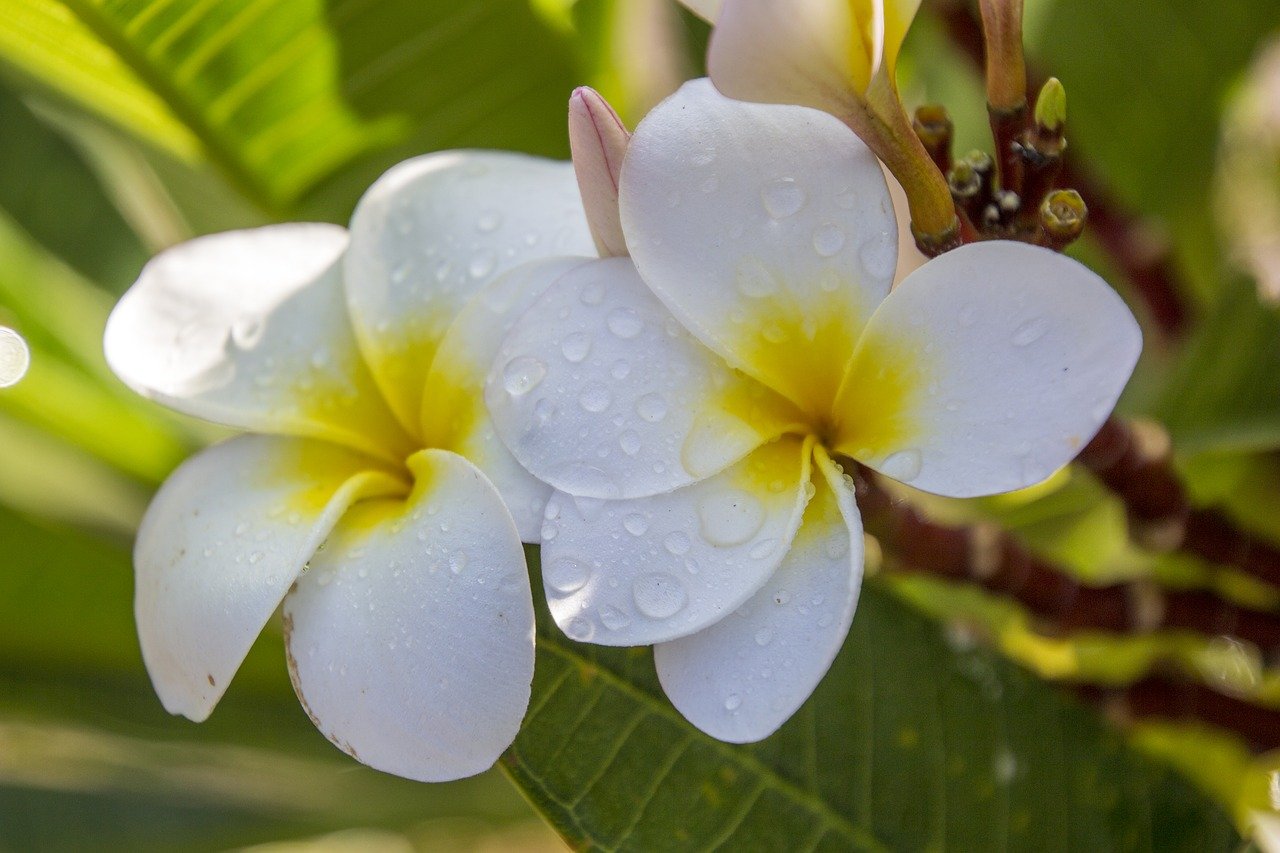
819, 53
690, 409
364, 496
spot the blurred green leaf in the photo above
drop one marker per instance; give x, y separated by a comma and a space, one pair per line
282, 95
1146, 81
910, 743
1225, 394
88, 756
56, 198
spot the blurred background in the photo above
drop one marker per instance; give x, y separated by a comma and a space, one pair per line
130, 125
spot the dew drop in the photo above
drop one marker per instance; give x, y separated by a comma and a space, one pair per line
729, 517
677, 542
764, 636
629, 441
621, 369
879, 256
575, 347
522, 374
732, 702
457, 562
613, 618
482, 264
904, 465
651, 407
828, 240
658, 595
593, 293
489, 221
782, 198
595, 397
579, 629
543, 410
636, 524
566, 575
1030, 332
624, 323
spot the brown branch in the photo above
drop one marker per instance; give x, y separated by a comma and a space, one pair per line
1182, 700
993, 559
1134, 460
1131, 244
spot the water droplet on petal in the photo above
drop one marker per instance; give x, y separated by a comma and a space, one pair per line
575, 347
595, 397
566, 575
624, 322
522, 374
621, 369
879, 256
764, 636
903, 466
1030, 332
580, 629
613, 618
457, 562
658, 595
636, 524
837, 546
629, 441
677, 542
489, 221
592, 293
732, 702
782, 198
729, 517
651, 407
482, 264
828, 240
247, 332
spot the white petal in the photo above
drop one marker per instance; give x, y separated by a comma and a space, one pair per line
454, 415
631, 573
819, 53
767, 230
250, 329
743, 677
410, 641
598, 140
601, 393
986, 370
221, 543
434, 230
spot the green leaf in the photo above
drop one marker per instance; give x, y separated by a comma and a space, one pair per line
1225, 394
90, 757
910, 743
54, 196
282, 95
1147, 80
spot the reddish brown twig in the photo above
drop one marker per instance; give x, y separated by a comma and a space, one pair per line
1131, 243
1134, 460
1182, 700
993, 559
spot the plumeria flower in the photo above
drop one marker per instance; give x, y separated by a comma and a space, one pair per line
368, 494
826, 54
692, 404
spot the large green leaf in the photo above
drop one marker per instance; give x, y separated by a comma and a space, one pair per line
910, 743
281, 95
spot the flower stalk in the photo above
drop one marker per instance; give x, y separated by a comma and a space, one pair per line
1006, 75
